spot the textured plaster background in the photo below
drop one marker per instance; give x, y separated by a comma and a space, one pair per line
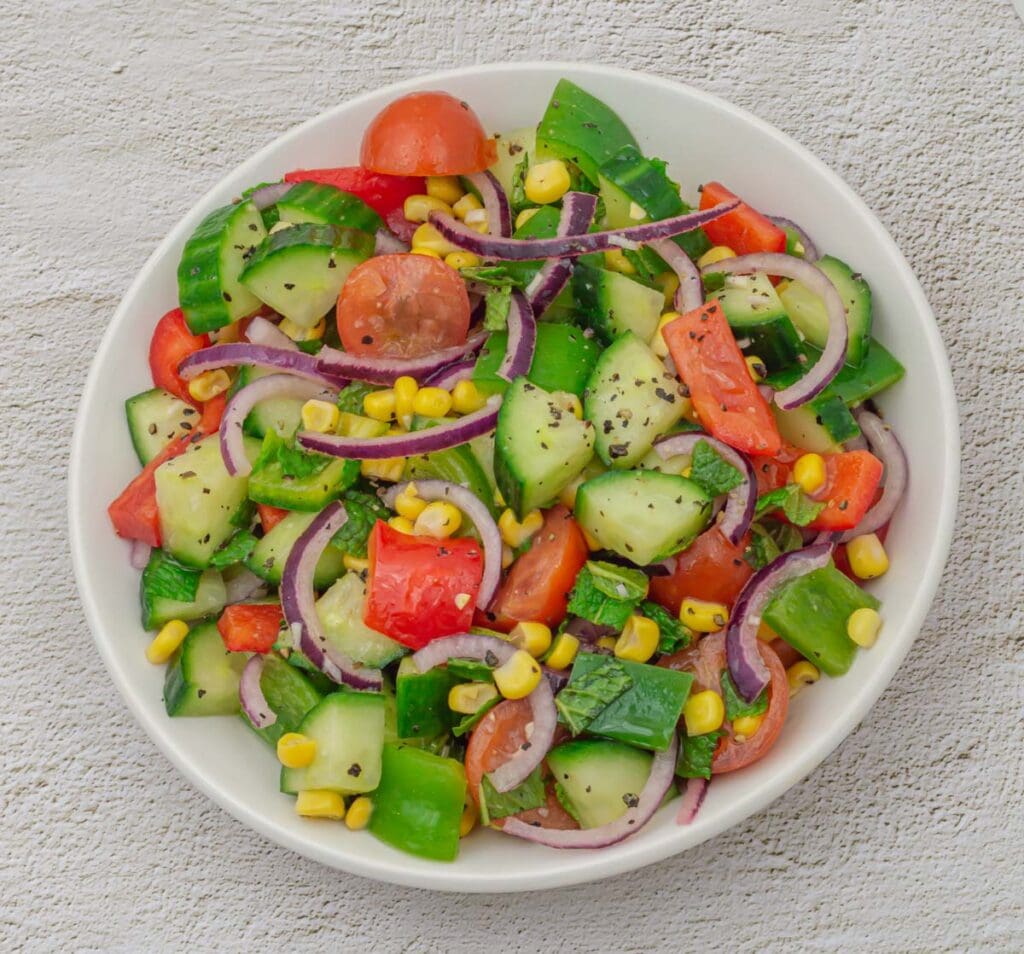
115, 117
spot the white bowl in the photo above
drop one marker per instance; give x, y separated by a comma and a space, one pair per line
703, 138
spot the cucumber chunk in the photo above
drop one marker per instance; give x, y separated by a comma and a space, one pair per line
203, 679
341, 612
755, 313
289, 694
612, 303
155, 418
598, 778
283, 415
814, 426
513, 148
269, 556
631, 398
326, 205
421, 700
269, 484
159, 608
876, 372
642, 515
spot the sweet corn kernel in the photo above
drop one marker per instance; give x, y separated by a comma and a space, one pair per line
809, 472
746, 727
567, 495
467, 697
563, 651
438, 519
704, 712
508, 556
446, 188
432, 402
534, 637
426, 236
409, 503
358, 815
229, 334
320, 803
547, 181
718, 253
518, 677
592, 542
782, 286
466, 398
402, 525
756, 369
863, 626
615, 260
405, 394
638, 640
477, 220
355, 564
468, 203
380, 405
417, 208
703, 616
514, 533
658, 345
801, 674
867, 556
429, 252
298, 333
295, 750
459, 260
467, 822
167, 641
525, 217
391, 469
209, 384
607, 642
355, 425
668, 282
320, 416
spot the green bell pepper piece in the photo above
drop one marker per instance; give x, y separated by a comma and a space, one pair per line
421, 699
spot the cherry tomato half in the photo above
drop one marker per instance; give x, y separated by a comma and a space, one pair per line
711, 568
171, 343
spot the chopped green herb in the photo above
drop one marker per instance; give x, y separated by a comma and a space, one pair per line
496, 307
709, 469
350, 399
364, 510
235, 550
469, 722
526, 795
696, 753
609, 602
794, 503
585, 697
497, 276
292, 461
470, 670
673, 635
168, 580
736, 707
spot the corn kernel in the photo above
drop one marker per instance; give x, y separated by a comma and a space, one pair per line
607, 642
426, 236
167, 641
446, 188
756, 369
514, 533
405, 394
417, 208
466, 398
467, 697
298, 333
409, 503
639, 639
863, 626
592, 542
547, 181
468, 203
525, 217
718, 253
380, 405
432, 402
746, 727
459, 260
801, 674
358, 815
782, 286
320, 416
402, 525
534, 637
391, 469
809, 472
438, 519
658, 345
703, 616
295, 750
668, 282
467, 822
429, 252
519, 676
704, 712
615, 261
567, 495
867, 556
354, 564
508, 556
229, 334
320, 803
563, 651
477, 220
355, 425
209, 384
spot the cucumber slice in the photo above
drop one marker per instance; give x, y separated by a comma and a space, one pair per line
599, 779
643, 515
197, 500
157, 608
876, 372
540, 446
203, 680
636, 189
421, 700
631, 398
612, 303
155, 418
283, 415
208, 275
513, 148
348, 728
754, 312
819, 426
326, 205
458, 465
341, 612
289, 694
300, 270
269, 484
270, 554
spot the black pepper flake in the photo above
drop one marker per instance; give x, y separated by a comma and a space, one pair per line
185, 426
665, 396
227, 296
268, 564
844, 504
185, 474
631, 799
206, 490
289, 285
253, 227
526, 746
189, 411
331, 263
355, 770
200, 693
367, 339
152, 428
206, 539
490, 658
618, 450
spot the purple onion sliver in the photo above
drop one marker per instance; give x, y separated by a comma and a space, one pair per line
886, 447
448, 377
578, 210
587, 631
250, 694
139, 554
263, 332
522, 339
499, 214
268, 195
385, 242
243, 585
693, 797
260, 356
690, 293
810, 249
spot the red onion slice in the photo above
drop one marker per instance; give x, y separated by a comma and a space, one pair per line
578, 210
263, 332
888, 449
406, 445
268, 195
810, 249
448, 377
273, 386
663, 770
690, 293
519, 250
243, 585
499, 215
400, 225
522, 339
477, 512
386, 242
748, 670
341, 364
260, 356
834, 354
250, 694
742, 499
542, 701
693, 797
298, 603
139, 554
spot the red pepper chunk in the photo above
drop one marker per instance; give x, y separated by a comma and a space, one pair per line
421, 588
744, 230
250, 627
851, 480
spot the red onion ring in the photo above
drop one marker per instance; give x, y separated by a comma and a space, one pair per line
522, 339
542, 702
810, 249
386, 242
741, 500
472, 507
245, 585
400, 225
268, 195
578, 210
448, 377
519, 250
663, 770
260, 356
499, 215
432, 439
298, 603
340, 364
690, 293
888, 449
693, 798
263, 332
250, 694
139, 554
746, 667
834, 354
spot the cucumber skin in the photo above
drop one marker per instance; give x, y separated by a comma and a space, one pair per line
604, 797
290, 695
326, 204
562, 362
269, 486
147, 445
184, 695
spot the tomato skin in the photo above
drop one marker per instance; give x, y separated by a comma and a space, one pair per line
402, 306
744, 230
724, 395
134, 513
382, 193
538, 584
213, 411
171, 343
270, 516
711, 568
413, 584
426, 134
250, 628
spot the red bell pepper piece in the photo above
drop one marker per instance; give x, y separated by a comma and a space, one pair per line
250, 628
380, 192
270, 516
744, 230
171, 343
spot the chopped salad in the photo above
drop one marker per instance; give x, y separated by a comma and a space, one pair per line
492, 483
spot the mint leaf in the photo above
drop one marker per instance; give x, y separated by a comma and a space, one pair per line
496, 308
593, 603
363, 510
673, 634
565, 801
696, 753
469, 722
526, 795
736, 707
292, 461
497, 276
762, 549
470, 670
350, 399
787, 538
618, 582
585, 697
517, 199
709, 469
165, 579
236, 550
794, 503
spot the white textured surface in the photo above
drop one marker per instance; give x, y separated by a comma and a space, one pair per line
112, 122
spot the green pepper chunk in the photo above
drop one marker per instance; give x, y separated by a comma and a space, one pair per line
421, 699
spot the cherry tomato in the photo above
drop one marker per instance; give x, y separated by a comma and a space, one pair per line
427, 134
270, 516
171, 343
402, 306
383, 194
250, 627
134, 513
744, 230
711, 568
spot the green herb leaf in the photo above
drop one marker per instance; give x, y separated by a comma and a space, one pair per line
496, 308
794, 503
594, 603
565, 801
497, 276
673, 635
168, 580
696, 753
585, 697
292, 461
618, 582
364, 510
470, 670
235, 550
350, 399
709, 469
517, 198
244, 515
469, 722
762, 549
736, 707
526, 795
